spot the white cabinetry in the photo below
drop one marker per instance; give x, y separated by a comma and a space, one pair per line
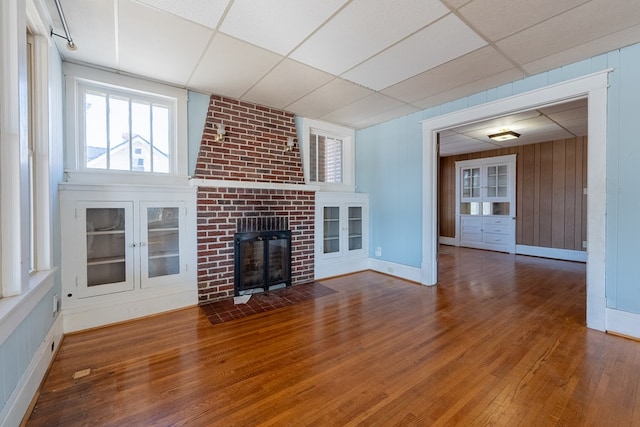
126, 252
341, 230
485, 203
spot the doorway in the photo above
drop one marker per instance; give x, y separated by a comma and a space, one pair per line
592, 87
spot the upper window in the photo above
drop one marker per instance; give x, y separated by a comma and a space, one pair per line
123, 125
121, 131
328, 155
325, 152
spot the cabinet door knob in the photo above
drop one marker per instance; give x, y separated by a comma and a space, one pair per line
132, 245
142, 244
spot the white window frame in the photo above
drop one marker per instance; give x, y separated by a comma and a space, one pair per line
78, 77
347, 135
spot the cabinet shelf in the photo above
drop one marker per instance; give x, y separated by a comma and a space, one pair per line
104, 233
164, 255
106, 260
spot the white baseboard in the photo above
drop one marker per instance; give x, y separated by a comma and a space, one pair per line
100, 313
402, 271
451, 241
16, 407
622, 322
564, 254
339, 267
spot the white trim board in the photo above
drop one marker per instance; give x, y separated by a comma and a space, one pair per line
594, 88
401, 271
18, 403
623, 323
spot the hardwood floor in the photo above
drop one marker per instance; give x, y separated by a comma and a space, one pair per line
500, 341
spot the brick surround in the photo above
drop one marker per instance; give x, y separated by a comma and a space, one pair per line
253, 152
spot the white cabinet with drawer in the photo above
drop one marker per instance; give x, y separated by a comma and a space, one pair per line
485, 208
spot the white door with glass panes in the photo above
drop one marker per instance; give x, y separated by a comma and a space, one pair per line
485, 203
162, 225
341, 232
106, 249
129, 245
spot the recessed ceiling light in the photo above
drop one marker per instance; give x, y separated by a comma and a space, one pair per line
504, 135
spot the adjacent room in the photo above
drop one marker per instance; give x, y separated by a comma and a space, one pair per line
234, 212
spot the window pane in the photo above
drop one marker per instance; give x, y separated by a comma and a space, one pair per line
95, 130
119, 156
160, 139
325, 159
141, 136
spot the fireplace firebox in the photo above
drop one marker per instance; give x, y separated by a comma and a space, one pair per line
262, 260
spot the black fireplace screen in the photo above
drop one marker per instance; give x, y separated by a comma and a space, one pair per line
262, 260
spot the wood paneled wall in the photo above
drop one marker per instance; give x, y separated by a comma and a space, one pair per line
551, 209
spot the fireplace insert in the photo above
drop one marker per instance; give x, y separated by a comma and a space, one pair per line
262, 260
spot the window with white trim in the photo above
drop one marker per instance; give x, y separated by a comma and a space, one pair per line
328, 155
122, 125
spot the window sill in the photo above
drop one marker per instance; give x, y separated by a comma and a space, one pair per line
102, 177
13, 310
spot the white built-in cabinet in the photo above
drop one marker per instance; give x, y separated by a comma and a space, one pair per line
485, 203
126, 252
341, 229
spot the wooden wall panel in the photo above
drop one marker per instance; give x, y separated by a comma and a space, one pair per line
551, 209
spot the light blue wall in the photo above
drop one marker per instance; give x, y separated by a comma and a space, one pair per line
18, 350
389, 168
197, 109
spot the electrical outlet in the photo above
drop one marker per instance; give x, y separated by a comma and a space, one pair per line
584, 244
378, 251
56, 303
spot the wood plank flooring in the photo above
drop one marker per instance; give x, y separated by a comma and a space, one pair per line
500, 341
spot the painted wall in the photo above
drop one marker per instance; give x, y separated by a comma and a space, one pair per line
18, 349
197, 108
393, 149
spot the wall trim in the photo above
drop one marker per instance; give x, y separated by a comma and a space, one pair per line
406, 272
13, 310
450, 241
563, 254
591, 86
18, 403
106, 310
623, 323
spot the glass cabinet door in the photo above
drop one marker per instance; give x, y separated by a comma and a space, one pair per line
108, 248
470, 183
331, 229
497, 181
160, 245
355, 227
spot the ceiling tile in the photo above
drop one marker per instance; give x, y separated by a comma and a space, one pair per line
470, 88
176, 44
455, 3
400, 111
277, 25
230, 67
440, 42
364, 28
595, 47
332, 96
513, 15
570, 29
481, 63
89, 19
286, 83
362, 109
204, 12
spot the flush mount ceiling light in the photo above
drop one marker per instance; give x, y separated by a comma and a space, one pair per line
504, 135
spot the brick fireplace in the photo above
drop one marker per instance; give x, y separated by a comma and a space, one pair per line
249, 175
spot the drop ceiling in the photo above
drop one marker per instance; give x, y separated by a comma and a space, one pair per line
354, 63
